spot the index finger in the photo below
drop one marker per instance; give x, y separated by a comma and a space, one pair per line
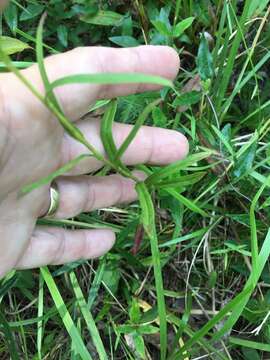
75, 98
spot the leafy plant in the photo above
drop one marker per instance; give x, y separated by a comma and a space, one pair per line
205, 218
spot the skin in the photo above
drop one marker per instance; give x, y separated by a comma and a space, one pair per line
33, 144
3, 3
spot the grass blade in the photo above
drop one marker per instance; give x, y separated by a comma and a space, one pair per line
223, 139
40, 315
182, 181
176, 166
106, 130
110, 79
140, 121
65, 315
187, 202
40, 61
251, 283
8, 337
96, 283
7, 284
216, 319
48, 179
250, 344
51, 101
227, 72
148, 221
194, 234
90, 322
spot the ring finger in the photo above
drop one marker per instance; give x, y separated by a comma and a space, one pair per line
87, 193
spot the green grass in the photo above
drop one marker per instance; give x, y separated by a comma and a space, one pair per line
198, 286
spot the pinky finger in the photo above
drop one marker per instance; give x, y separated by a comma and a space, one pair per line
54, 246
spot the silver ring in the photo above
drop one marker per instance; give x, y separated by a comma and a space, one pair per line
54, 202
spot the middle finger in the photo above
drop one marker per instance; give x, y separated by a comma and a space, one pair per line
154, 146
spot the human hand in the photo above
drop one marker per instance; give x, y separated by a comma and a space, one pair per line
33, 144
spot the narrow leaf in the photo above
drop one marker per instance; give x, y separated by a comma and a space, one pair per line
148, 221
124, 41
182, 181
177, 166
8, 337
11, 46
187, 99
111, 78
48, 179
182, 26
90, 322
139, 122
187, 202
250, 344
65, 315
104, 18
204, 60
107, 128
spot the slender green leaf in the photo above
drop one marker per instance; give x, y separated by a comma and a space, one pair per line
40, 61
111, 78
161, 27
205, 60
245, 162
93, 292
104, 18
8, 337
227, 71
223, 139
31, 11
182, 26
11, 16
194, 234
239, 86
139, 122
62, 34
148, 221
187, 99
187, 202
11, 46
67, 268
90, 322
51, 100
5, 286
250, 344
17, 64
214, 321
48, 179
40, 315
176, 167
182, 181
106, 130
66, 318
251, 283
124, 41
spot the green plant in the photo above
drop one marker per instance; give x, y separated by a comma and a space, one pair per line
211, 225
